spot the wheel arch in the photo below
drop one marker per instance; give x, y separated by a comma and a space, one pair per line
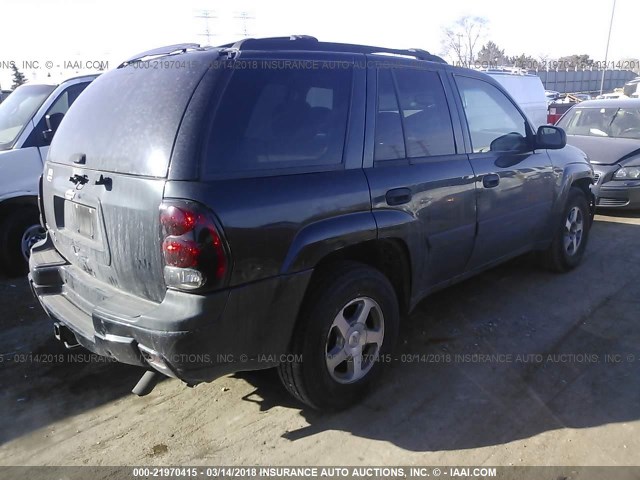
390, 256
578, 175
584, 184
8, 205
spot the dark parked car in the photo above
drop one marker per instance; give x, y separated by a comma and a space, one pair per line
282, 202
608, 131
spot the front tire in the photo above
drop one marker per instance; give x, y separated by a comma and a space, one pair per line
348, 323
571, 235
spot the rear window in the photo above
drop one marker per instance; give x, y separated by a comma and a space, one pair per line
280, 118
126, 120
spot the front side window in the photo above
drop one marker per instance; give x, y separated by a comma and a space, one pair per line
18, 109
59, 107
280, 118
602, 122
495, 124
66, 99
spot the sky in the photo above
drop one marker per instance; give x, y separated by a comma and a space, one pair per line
66, 32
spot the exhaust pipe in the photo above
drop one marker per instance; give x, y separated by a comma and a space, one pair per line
146, 383
65, 335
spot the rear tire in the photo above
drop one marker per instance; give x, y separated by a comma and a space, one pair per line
19, 230
348, 324
571, 235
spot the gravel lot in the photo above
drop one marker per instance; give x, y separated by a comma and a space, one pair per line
562, 386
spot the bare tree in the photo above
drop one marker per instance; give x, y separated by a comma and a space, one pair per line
463, 38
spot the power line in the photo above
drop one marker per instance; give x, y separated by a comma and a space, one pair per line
207, 15
244, 17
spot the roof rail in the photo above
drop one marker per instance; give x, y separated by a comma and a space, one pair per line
167, 50
306, 42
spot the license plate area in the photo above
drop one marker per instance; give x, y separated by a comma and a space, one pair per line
81, 220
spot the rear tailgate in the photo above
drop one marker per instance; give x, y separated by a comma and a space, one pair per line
105, 174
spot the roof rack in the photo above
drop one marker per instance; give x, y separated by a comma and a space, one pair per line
503, 69
167, 50
306, 42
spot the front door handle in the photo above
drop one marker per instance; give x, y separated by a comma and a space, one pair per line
398, 196
491, 180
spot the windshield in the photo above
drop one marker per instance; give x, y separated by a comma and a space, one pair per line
17, 110
603, 122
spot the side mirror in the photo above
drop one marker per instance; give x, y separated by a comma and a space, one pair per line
550, 137
511, 142
53, 122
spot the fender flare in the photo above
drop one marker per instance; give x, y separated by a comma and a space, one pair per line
317, 240
572, 173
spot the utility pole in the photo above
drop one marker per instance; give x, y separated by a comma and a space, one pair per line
606, 54
207, 15
244, 17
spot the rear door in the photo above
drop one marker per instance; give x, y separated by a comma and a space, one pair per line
419, 169
514, 182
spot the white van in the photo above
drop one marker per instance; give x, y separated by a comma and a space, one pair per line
28, 120
527, 90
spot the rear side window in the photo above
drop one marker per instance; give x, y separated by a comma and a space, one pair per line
491, 116
420, 124
427, 123
280, 118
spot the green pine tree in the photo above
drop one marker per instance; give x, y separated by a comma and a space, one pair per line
18, 77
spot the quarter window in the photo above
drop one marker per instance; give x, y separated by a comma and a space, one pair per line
280, 118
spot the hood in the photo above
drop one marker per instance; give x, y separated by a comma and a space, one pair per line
605, 150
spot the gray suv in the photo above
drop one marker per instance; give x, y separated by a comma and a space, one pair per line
282, 202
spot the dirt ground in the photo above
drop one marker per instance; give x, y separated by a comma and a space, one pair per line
515, 367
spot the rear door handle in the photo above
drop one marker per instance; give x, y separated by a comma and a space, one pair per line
491, 180
398, 196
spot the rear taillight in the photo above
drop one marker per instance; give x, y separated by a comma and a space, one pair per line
195, 255
180, 253
176, 220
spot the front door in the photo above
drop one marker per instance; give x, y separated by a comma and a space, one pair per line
514, 182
